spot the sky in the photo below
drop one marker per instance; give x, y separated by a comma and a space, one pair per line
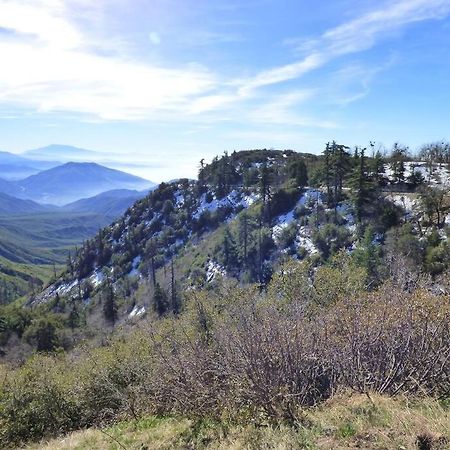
158, 85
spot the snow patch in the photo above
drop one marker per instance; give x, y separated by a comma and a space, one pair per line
97, 278
213, 269
304, 240
234, 199
137, 311
404, 201
65, 288
134, 272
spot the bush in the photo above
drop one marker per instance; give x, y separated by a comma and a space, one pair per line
241, 355
330, 238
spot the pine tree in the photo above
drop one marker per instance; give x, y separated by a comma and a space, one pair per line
176, 307
265, 191
398, 157
160, 301
73, 319
361, 185
150, 251
340, 165
297, 171
367, 255
378, 170
243, 235
229, 250
327, 172
109, 303
336, 165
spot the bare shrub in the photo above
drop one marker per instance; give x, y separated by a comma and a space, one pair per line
391, 342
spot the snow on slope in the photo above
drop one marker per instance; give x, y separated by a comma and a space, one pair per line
233, 199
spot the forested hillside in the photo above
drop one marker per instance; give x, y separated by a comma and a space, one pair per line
247, 214
263, 288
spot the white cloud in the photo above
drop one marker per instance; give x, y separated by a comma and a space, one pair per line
52, 64
279, 110
351, 37
53, 69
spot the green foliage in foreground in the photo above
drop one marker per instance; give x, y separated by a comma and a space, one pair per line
239, 356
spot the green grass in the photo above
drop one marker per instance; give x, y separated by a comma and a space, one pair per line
45, 238
30, 246
352, 421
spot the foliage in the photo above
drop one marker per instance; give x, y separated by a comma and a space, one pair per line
243, 355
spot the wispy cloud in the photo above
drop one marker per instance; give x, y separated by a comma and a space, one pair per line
282, 109
352, 37
355, 36
54, 69
51, 63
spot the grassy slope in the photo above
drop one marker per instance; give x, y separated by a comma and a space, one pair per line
19, 274
45, 238
31, 244
350, 421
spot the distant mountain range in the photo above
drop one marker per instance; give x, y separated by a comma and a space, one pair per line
15, 167
60, 175
111, 203
36, 229
63, 153
72, 181
10, 205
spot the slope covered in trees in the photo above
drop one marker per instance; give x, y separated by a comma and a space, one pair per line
246, 214
254, 293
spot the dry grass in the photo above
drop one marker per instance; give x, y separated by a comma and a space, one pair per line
346, 421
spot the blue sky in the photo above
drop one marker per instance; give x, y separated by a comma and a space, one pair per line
165, 83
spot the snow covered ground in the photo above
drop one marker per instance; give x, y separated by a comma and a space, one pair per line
214, 269
137, 311
405, 202
439, 175
97, 278
134, 272
233, 199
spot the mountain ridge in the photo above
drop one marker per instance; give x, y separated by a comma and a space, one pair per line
191, 222
71, 181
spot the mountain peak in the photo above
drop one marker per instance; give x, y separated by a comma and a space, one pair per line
74, 180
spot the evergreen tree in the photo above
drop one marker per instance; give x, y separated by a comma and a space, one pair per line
265, 191
160, 301
367, 255
73, 319
297, 171
109, 303
150, 251
336, 166
327, 172
43, 332
340, 165
227, 251
378, 169
243, 235
398, 157
361, 186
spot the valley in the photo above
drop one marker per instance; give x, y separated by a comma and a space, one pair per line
47, 214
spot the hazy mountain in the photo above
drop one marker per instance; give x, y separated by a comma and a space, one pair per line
70, 182
64, 153
8, 187
16, 167
10, 205
111, 203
